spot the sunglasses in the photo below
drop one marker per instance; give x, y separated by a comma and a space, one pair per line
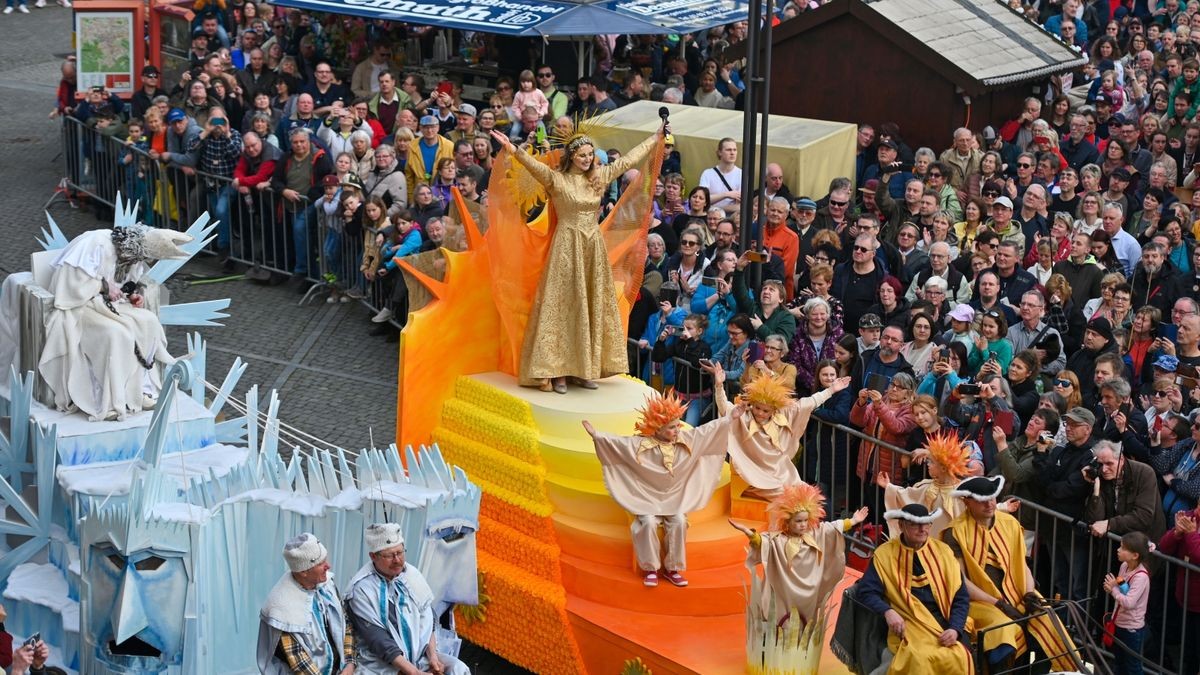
1062, 383
991, 193
689, 243
935, 175
545, 74
837, 203
1025, 165
862, 249
1160, 394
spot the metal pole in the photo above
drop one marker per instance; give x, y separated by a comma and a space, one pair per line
749, 117
765, 107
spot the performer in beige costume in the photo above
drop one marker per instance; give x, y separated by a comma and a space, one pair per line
803, 554
659, 476
765, 430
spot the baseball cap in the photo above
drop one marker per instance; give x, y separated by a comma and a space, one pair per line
1166, 362
805, 204
330, 180
1117, 118
353, 181
1080, 414
870, 186
176, 114
889, 143
429, 120
467, 109
870, 321
1104, 98
1003, 201
962, 312
1121, 173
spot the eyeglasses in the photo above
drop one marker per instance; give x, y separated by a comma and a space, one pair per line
688, 242
769, 348
906, 235
735, 333
391, 556
545, 74
1024, 165
837, 204
822, 259
863, 249
934, 175
504, 87
991, 193
1063, 383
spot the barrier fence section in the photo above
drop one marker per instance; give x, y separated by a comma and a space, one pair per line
276, 238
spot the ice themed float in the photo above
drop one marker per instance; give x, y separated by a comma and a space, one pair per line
147, 542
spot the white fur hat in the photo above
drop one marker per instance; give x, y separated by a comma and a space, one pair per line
161, 244
382, 536
304, 552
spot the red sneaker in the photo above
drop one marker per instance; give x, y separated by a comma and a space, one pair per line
675, 578
650, 579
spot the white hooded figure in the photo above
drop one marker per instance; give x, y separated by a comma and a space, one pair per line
391, 607
101, 343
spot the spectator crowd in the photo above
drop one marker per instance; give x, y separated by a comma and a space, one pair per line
1030, 285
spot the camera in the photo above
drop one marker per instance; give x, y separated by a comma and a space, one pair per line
969, 389
1046, 437
1092, 470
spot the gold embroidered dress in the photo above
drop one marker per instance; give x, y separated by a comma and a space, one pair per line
574, 326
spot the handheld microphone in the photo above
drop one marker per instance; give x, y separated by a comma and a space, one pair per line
664, 112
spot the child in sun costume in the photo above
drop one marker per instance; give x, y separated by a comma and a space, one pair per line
659, 476
803, 560
949, 460
766, 428
586, 272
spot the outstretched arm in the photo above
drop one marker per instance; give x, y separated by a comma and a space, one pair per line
633, 157
540, 172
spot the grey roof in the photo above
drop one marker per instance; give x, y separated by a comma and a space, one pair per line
990, 42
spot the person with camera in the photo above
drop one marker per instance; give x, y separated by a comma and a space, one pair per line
1120, 418
1123, 494
1059, 478
217, 149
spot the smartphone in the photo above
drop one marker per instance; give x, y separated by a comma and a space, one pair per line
756, 256
708, 281
877, 382
969, 389
445, 87
944, 354
217, 121
541, 134
991, 356
707, 363
1005, 420
670, 295
33, 640
754, 350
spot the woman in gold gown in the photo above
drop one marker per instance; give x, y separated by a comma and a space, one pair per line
574, 329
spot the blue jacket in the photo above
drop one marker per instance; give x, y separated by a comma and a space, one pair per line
408, 246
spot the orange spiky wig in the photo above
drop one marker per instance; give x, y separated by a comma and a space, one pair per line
798, 497
659, 411
768, 390
951, 453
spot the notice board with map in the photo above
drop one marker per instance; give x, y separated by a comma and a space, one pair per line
107, 51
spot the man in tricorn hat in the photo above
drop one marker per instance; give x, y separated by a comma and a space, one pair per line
917, 585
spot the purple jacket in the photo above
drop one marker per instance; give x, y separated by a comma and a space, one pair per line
805, 357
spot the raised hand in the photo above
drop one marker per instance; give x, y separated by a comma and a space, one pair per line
591, 430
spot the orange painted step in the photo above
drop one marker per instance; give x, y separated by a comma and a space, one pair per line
710, 544
710, 592
703, 645
746, 508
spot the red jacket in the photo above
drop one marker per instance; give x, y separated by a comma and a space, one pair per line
890, 424
1186, 547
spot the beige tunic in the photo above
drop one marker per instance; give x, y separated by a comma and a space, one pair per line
647, 477
800, 572
932, 494
764, 455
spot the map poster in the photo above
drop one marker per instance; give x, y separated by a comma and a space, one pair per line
104, 50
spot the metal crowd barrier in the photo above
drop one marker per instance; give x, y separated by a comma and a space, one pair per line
258, 227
